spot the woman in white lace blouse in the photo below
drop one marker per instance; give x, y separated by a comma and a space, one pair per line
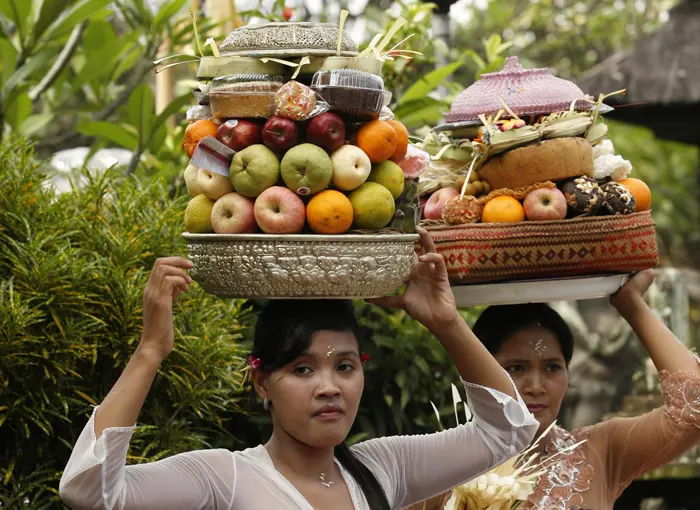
307, 367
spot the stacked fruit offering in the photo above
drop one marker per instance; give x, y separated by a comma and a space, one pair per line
301, 168
514, 153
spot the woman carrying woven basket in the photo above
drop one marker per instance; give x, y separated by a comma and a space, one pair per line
306, 366
591, 467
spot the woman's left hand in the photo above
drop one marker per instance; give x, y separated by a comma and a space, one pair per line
428, 297
632, 292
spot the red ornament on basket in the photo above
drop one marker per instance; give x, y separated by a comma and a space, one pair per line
288, 13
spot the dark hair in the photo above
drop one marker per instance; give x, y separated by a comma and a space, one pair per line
283, 332
497, 323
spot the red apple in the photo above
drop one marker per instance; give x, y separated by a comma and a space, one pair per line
327, 131
239, 134
280, 134
545, 204
233, 214
278, 210
436, 202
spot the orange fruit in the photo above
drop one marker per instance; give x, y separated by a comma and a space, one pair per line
329, 212
640, 191
503, 210
195, 132
401, 141
378, 139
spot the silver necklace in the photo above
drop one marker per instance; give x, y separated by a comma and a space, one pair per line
322, 478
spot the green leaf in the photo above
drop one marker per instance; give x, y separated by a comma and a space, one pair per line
51, 10
174, 107
18, 109
128, 61
113, 132
157, 138
141, 112
37, 62
476, 58
8, 59
418, 113
429, 82
18, 12
166, 12
77, 13
34, 123
356, 438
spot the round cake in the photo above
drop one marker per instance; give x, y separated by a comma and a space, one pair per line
551, 160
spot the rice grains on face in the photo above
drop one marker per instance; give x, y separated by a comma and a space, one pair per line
583, 195
618, 199
460, 210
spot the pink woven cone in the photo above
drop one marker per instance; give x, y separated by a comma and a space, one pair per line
525, 91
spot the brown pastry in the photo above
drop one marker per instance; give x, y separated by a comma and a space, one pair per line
618, 199
551, 160
460, 210
583, 195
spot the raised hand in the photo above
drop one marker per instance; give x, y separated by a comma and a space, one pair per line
428, 297
632, 292
167, 281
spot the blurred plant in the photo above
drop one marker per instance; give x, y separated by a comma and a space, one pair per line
670, 170
72, 271
76, 72
568, 35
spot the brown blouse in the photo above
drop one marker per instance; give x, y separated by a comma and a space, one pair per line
615, 452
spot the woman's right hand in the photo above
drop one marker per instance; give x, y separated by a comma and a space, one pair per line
167, 281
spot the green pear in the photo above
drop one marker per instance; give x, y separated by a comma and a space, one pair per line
306, 169
389, 175
198, 215
253, 170
373, 206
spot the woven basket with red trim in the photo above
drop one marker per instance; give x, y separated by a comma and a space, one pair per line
490, 252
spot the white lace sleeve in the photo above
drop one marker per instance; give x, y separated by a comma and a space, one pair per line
414, 468
97, 476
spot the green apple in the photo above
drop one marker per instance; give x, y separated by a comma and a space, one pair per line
253, 170
389, 175
306, 169
198, 215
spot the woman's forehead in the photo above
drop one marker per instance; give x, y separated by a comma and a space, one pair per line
531, 342
323, 340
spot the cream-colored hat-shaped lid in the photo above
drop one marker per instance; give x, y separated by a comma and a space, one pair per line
525, 91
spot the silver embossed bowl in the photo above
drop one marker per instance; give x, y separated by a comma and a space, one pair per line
288, 39
301, 266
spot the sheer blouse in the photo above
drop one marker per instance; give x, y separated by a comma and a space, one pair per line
595, 473
409, 468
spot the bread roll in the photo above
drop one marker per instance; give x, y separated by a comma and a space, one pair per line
551, 160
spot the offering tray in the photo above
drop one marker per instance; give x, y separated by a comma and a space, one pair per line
583, 246
301, 266
538, 291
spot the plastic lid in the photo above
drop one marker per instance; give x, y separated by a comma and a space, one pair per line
347, 78
198, 112
247, 82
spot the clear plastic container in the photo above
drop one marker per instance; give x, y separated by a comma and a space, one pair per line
350, 92
242, 96
198, 112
